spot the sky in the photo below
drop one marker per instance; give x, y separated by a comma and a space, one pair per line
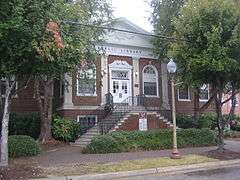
136, 11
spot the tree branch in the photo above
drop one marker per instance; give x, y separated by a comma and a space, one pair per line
229, 98
22, 87
206, 105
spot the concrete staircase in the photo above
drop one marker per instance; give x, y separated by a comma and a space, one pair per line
86, 138
115, 121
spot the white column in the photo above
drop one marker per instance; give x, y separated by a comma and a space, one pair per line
136, 75
104, 72
164, 73
67, 103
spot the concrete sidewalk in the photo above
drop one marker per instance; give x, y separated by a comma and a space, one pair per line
72, 155
171, 170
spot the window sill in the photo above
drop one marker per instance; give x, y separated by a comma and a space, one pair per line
149, 96
184, 100
203, 100
87, 95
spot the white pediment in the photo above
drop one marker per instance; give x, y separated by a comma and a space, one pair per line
129, 39
120, 65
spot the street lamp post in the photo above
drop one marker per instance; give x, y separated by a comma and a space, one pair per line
172, 67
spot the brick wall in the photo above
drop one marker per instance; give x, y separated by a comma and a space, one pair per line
187, 107
25, 100
132, 123
150, 101
227, 106
72, 114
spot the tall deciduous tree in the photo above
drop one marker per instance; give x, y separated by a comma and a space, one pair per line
16, 55
36, 41
163, 12
59, 56
209, 53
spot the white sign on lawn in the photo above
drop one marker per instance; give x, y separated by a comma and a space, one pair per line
143, 122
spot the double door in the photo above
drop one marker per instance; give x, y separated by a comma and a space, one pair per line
120, 90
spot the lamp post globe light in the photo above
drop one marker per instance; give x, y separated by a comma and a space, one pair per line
172, 67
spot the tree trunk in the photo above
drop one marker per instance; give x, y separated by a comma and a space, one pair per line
196, 104
5, 122
220, 123
1, 101
233, 102
45, 106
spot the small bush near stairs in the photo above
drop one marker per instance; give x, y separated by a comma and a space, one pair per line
149, 140
21, 145
65, 129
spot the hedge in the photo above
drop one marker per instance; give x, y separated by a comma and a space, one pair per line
25, 124
232, 134
149, 140
206, 120
29, 124
20, 145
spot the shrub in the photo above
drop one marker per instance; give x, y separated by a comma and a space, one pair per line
207, 120
25, 124
186, 121
104, 144
20, 145
149, 140
236, 128
65, 129
232, 134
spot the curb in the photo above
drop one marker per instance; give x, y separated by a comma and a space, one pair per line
170, 170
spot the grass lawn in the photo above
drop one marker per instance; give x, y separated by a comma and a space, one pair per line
126, 165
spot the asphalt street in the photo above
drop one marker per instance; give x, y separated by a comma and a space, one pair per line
229, 173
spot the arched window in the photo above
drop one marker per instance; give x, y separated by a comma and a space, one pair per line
86, 81
204, 92
150, 81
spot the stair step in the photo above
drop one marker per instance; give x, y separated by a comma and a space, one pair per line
91, 133
82, 142
87, 137
79, 145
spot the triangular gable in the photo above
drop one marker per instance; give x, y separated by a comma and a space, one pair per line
128, 39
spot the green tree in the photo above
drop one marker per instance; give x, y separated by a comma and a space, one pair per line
16, 55
78, 41
163, 12
36, 42
209, 53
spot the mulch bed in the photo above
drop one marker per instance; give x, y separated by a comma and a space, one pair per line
223, 155
53, 144
19, 172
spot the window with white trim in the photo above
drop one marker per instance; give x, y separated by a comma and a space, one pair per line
204, 92
86, 81
184, 93
150, 81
